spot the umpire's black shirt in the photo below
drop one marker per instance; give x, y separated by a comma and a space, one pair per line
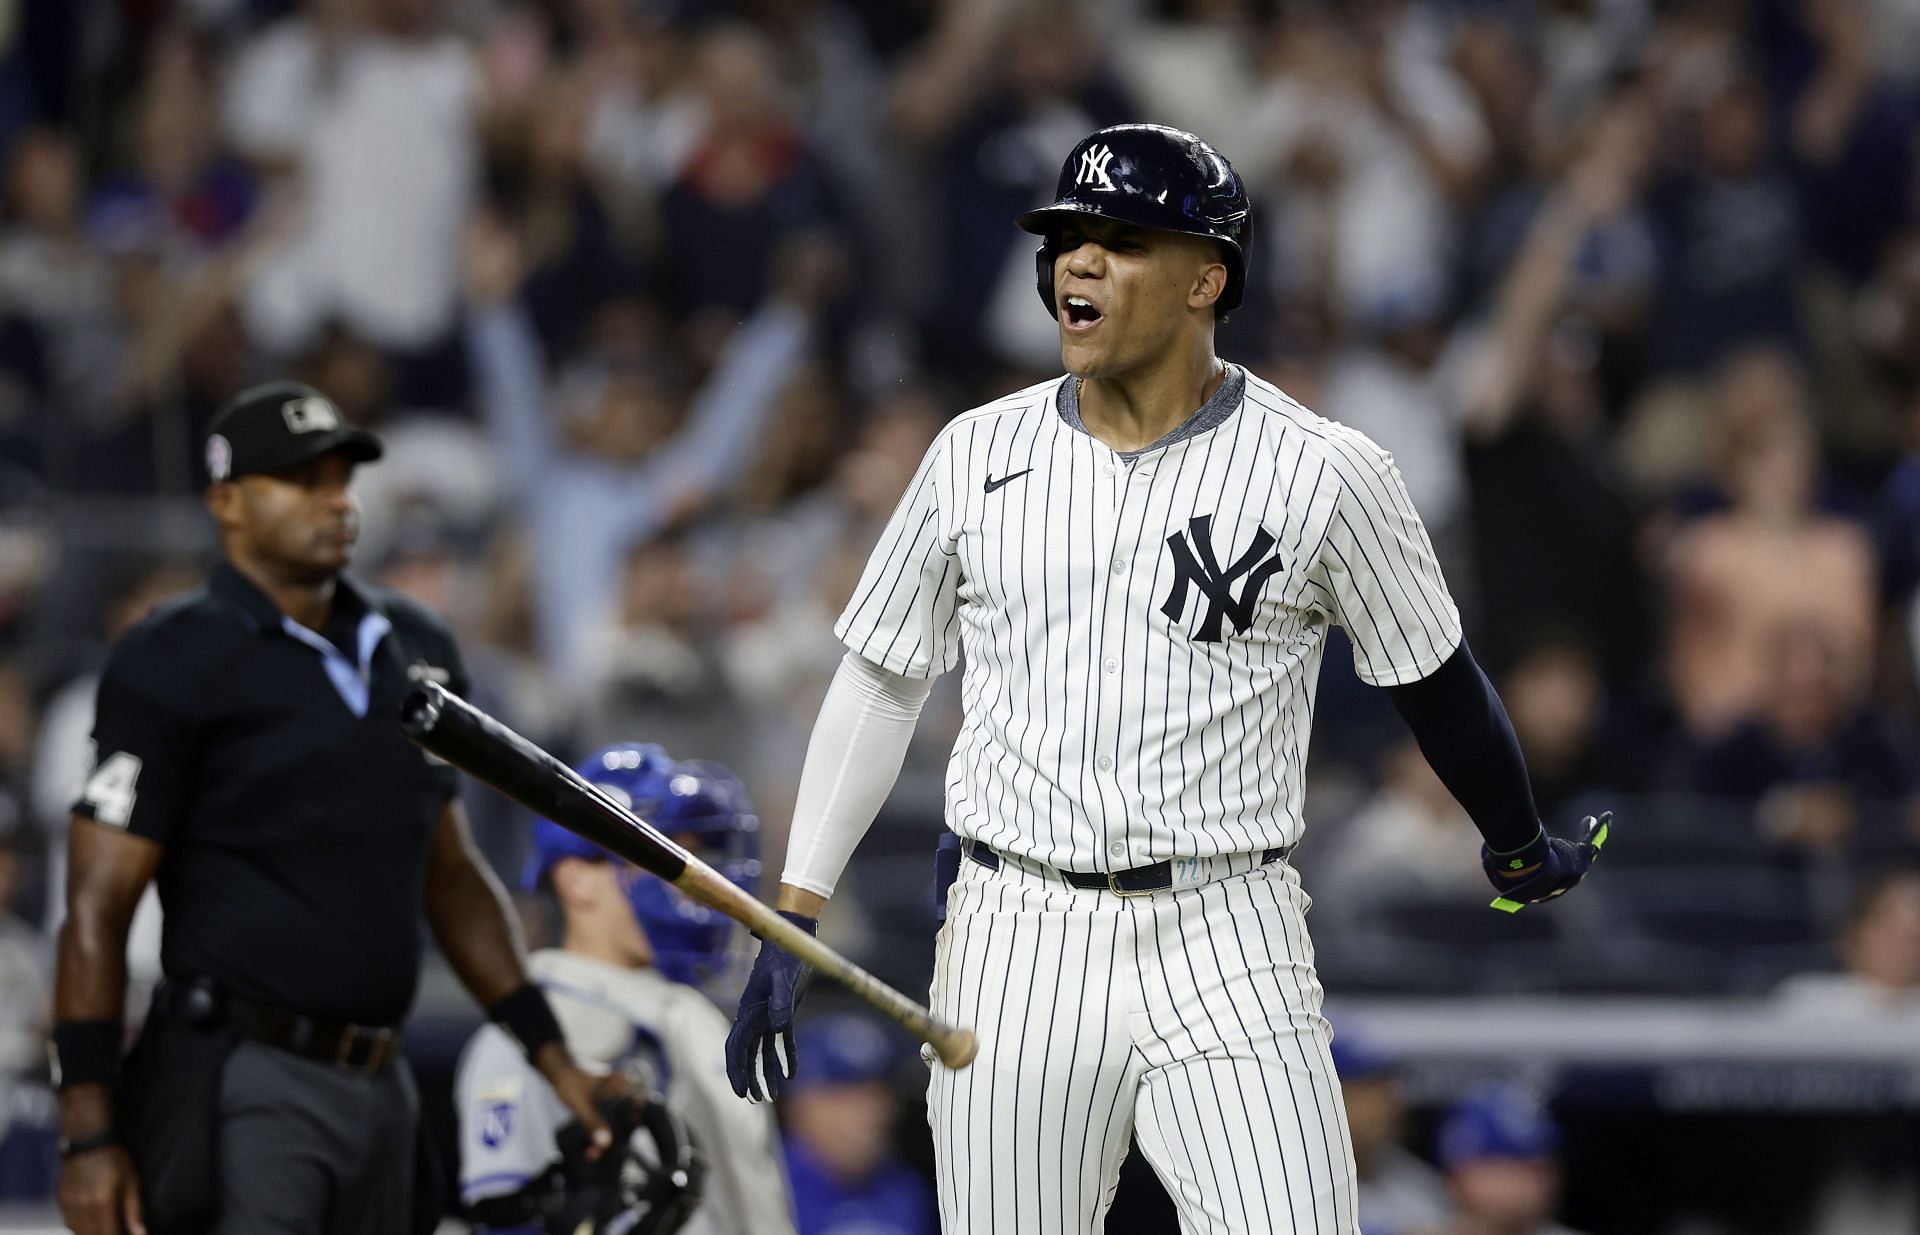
269, 762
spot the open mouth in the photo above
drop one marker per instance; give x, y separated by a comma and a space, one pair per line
1079, 313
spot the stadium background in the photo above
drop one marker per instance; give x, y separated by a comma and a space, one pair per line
1631, 288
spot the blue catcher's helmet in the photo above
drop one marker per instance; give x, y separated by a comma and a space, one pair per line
704, 807
701, 805
618, 770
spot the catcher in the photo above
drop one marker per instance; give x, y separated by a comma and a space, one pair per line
626, 987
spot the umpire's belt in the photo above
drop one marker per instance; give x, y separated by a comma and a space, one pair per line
1138, 881
207, 1005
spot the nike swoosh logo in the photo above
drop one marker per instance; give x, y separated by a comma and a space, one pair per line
993, 484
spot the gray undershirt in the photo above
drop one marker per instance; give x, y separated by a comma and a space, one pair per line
1212, 413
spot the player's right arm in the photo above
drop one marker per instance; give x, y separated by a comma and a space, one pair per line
130, 805
901, 628
859, 741
853, 758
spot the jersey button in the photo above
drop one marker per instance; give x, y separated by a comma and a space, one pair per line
1110, 665
1106, 762
1119, 566
1107, 470
1118, 849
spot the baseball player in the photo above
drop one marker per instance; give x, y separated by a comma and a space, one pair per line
625, 985
1141, 561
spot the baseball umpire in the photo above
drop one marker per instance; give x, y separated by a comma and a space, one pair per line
1141, 561
249, 758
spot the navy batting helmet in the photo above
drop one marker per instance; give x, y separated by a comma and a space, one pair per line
1150, 176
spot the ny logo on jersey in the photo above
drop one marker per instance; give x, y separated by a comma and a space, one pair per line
1093, 168
1194, 563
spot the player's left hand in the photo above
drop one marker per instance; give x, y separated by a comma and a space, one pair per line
587, 1094
1546, 868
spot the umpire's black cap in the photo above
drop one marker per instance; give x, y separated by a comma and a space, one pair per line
281, 425
1150, 175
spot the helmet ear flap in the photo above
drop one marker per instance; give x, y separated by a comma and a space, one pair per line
1043, 274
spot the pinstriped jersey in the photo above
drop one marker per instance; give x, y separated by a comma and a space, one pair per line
1143, 632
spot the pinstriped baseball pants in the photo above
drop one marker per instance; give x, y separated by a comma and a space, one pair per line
1188, 1019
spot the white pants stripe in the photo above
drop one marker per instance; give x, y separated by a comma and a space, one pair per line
1189, 1020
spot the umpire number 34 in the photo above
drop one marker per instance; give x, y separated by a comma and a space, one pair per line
110, 790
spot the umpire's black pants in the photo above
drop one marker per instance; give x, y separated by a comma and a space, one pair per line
310, 1149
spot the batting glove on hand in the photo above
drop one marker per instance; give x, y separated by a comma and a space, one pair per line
1546, 868
760, 1047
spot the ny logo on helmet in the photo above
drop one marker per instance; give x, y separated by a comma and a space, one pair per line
1195, 564
1093, 168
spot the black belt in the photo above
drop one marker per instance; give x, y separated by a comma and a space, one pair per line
205, 1005
1137, 881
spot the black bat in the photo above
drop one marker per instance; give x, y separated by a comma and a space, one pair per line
441, 722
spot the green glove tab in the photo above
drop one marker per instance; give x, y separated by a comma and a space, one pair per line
1566, 862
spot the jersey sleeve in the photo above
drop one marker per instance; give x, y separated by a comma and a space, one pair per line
904, 615
509, 1118
144, 750
1377, 564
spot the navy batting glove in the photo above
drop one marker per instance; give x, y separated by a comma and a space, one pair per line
760, 1046
1546, 868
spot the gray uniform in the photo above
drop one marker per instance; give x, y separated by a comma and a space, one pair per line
621, 1018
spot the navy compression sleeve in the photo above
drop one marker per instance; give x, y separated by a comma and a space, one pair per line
1463, 730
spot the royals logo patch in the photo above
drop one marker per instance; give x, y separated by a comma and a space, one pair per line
496, 1123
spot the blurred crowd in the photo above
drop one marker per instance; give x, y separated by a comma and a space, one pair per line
657, 303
